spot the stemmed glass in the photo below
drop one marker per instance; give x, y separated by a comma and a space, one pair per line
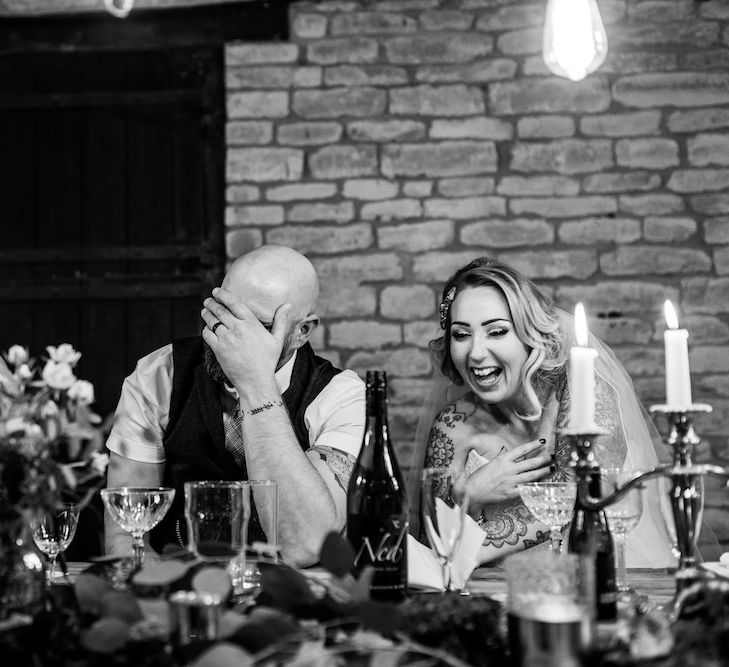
137, 510
552, 503
444, 502
53, 531
622, 517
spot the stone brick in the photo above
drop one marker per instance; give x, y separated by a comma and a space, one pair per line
438, 266
242, 194
655, 153
392, 209
563, 207
660, 260
478, 71
617, 296
415, 237
703, 61
370, 189
552, 95
464, 187
717, 230
372, 23
382, 131
242, 133
599, 230
507, 233
714, 385
538, 185
721, 260
346, 300
306, 25
258, 104
446, 19
318, 338
713, 204
463, 208
549, 263
697, 120
427, 100
520, 42
478, 127
322, 240
299, 191
565, 156
651, 204
437, 48
260, 54
365, 75
621, 181
272, 76
420, 333
716, 9
704, 329
309, 133
638, 62
407, 391
511, 16
336, 102
621, 330
240, 241
697, 34
659, 10
359, 268
401, 362
405, 302
680, 89
545, 127
446, 158
236, 216
340, 50
264, 164
364, 334
709, 148
342, 211
417, 188
343, 161
709, 358
635, 124
705, 295
667, 230
641, 361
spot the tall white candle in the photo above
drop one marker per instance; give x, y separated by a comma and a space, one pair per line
582, 377
678, 377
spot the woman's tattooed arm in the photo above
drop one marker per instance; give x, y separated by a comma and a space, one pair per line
441, 448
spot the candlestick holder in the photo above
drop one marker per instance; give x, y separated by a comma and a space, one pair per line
687, 483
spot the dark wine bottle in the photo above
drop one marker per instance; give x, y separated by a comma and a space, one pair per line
377, 502
590, 536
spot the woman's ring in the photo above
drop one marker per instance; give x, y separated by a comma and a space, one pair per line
215, 326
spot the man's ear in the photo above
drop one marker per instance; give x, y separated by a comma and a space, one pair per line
306, 328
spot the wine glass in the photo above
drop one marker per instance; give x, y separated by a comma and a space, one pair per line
444, 502
137, 510
551, 503
622, 517
53, 531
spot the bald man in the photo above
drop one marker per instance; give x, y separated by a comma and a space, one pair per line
248, 399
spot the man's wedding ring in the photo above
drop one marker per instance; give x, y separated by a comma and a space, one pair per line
215, 326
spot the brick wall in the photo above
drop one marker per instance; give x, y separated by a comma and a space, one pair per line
393, 141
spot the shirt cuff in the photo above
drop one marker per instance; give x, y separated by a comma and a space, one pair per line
136, 451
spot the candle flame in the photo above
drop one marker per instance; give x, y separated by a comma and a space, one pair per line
580, 325
670, 313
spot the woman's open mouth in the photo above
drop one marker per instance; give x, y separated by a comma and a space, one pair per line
486, 377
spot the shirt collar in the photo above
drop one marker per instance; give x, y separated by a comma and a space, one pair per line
282, 377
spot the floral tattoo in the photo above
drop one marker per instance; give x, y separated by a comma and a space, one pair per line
340, 463
507, 525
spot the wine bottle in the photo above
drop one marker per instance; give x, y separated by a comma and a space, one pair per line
590, 536
377, 502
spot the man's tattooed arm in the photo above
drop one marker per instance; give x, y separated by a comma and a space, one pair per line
340, 463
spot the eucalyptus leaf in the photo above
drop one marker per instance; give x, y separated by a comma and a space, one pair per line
90, 590
122, 605
382, 617
106, 636
224, 654
286, 588
337, 555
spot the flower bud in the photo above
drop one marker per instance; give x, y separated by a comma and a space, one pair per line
82, 391
17, 355
63, 354
58, 375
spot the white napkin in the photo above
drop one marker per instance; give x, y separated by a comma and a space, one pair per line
424, 570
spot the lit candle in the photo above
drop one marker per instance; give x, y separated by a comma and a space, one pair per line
678, 378
582, 377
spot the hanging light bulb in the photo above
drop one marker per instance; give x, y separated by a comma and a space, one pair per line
575, 42
119, 8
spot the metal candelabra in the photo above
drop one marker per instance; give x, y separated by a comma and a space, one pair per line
687, 483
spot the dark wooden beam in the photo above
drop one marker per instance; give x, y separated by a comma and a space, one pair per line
144, 29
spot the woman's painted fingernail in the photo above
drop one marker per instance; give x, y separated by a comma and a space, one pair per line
543, 441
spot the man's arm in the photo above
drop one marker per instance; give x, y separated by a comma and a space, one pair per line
125, 472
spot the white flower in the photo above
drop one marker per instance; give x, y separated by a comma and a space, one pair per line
19, 427
58, 375
82, 391
63, 354
24, 373
17, 355
49, 409
99, 462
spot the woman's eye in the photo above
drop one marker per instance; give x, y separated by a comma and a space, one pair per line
497, 333
459, 335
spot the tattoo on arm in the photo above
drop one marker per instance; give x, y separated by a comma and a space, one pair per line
340, 463
506, 524
542, 536
440, 450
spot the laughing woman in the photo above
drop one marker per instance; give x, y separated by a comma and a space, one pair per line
501, 398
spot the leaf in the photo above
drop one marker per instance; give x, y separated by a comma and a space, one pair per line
285, 588
224, 654
90, 591
337, 555
158, 573
122, 605
213, 581
106, 636
381, 617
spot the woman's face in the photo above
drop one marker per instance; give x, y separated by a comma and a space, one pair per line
485, 349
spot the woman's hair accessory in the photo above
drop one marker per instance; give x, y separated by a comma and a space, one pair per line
445, 306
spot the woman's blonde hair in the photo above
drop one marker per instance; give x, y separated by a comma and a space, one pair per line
535, 322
